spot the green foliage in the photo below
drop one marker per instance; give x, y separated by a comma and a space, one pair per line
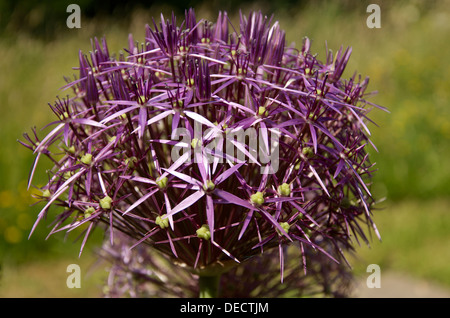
415, 236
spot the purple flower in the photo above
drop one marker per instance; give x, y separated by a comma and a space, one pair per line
273, 146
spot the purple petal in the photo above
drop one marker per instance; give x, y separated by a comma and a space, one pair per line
360, 120
49, 136
315, 246
187, 202
282, 199
318, 179
274, 222
210, 215
139, 179
225, 251
172, 247
148, 235
33, 169
84, 121
175, 120
227, 83
142, 120
66, 134
60, 191
230, 198
198, 253
102, 183
302, 211
199, 119
119, 113
222, 177
208, 58
177, 164
247, 220
111, 228
169, 210
281, 253
241, 147
183, 177
314, 137
88, 182
203, 166
141, 199
157, 118
88, 231
339, 168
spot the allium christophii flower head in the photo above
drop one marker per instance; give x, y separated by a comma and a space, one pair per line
212, 144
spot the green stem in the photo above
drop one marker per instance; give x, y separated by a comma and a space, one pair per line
209, 286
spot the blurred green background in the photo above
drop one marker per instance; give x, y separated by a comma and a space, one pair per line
408, 63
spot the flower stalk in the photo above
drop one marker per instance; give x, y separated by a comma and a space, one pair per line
209, 286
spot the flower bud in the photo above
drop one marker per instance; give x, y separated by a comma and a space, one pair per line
88, 212
284, 189
162, 222
46, 193
86, 159
262, 112
285, 226
106, 203
162, 183
204, 232
257, 198
209, 186
308, 152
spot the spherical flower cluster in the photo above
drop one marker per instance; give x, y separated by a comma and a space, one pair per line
212, 144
